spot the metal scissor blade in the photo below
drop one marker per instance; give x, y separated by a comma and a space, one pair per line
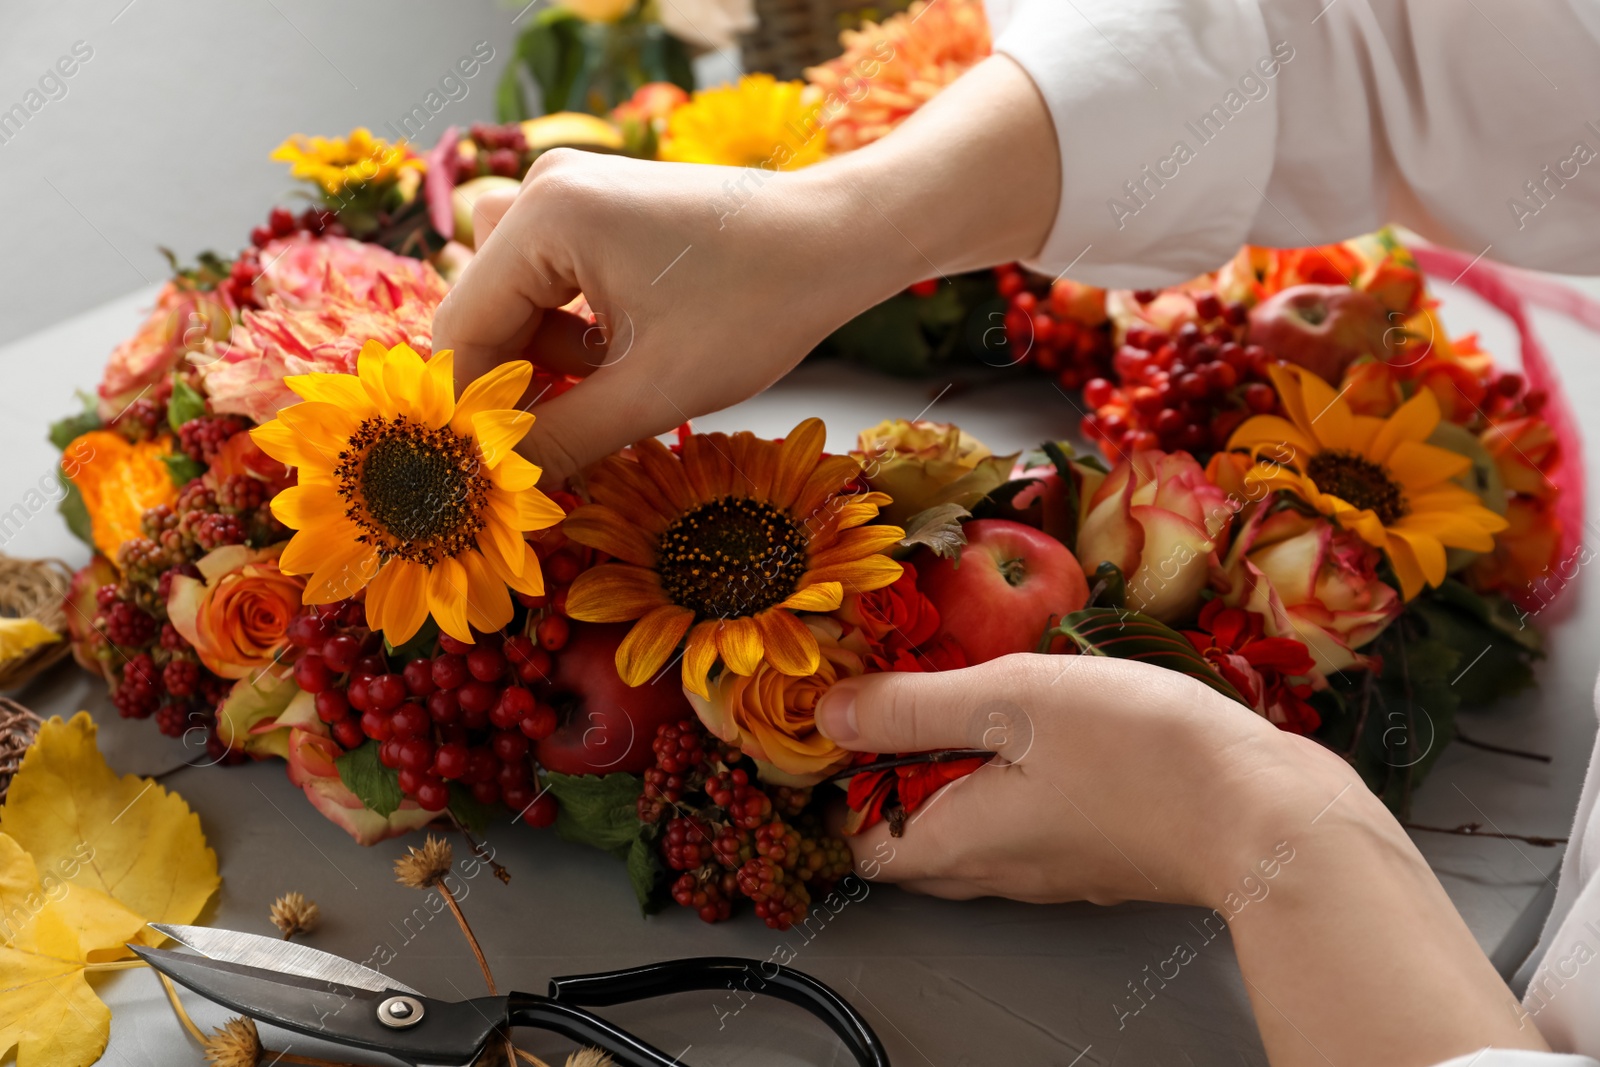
442, 1033
284, 957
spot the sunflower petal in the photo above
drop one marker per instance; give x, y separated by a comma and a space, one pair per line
514, 474
666, 471
817, 596
1415, 420
369, 368
1406, 567
326, 427
497, 432
614, 592
706, 466
798, 457
647, 646
1287, 380
500, 388
790, 646
739, 642
526, 577
308, 549
447, 598
397, 600
527, 510
1415, 465
280, 441
699, 656
860, 575
344, 568
436, 391
402, 378
488, 601
300, 507
859, 543
832, 474
341, 389
1274, 431
597, 526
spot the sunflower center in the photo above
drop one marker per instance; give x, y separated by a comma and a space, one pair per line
1359, 482
731, 557
417, 494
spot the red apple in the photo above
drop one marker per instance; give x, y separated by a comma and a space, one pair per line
607, 725
1002, 593
1323, 328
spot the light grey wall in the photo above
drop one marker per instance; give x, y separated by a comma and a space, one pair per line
162, 135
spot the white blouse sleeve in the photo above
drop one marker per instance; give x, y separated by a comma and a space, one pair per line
1190, 127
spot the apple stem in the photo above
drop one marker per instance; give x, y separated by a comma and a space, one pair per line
1014, 570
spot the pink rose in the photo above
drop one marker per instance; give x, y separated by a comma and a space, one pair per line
1312, 582
244, 375
307, 271
183, 320
1161, 522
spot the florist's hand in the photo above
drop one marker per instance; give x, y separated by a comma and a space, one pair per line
708, 283
1113, 780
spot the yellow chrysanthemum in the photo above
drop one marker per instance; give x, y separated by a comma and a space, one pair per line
409, 493
724, 543
890, 69
760, 122
1378, 477
338, 164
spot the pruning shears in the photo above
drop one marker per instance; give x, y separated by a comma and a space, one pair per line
332, 998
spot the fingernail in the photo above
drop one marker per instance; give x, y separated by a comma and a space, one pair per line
836, 716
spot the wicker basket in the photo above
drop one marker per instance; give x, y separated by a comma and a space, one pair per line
795, 34
18, 728
38, 589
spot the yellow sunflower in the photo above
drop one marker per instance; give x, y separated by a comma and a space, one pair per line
1378, 477
338, 163
724, 543
409, 493
760, 122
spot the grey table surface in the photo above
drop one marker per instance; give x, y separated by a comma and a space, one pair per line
945, 984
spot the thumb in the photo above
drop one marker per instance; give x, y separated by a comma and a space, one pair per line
921, 712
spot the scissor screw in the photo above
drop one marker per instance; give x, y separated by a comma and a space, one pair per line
400, 1012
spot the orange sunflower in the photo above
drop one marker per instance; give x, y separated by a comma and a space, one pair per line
725, 543
410, 494
1378, 477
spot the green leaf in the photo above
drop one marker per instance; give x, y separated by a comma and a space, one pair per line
186, 404
419, 646
75, 513
1133, 635
553, 51
938, 527
510, 102
65, 431
598, 810
182, 469
374, 785
644, 871
466, 809
1497, 653
887, 338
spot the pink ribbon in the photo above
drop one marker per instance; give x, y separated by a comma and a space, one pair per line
1512, 292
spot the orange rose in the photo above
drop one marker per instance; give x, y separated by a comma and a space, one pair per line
237, 612
771, 716
1523, 564
1526, 452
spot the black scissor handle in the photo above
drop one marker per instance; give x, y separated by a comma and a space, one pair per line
545, 1013
726, 972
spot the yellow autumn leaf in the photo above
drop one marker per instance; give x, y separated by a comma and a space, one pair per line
21, 636
122, 844
48, 1013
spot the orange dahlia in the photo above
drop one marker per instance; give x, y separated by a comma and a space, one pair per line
409, 493
892, 68
724, 543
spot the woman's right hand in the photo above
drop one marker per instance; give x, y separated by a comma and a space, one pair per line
709, 283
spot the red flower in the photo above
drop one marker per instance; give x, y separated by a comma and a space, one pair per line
895, 622
1269, 672
896, 792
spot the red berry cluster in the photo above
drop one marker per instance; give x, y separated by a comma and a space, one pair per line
1059, 327
1188, 389
728, 836
498, 150
239, 287
145, 417
201, 438
281, 222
